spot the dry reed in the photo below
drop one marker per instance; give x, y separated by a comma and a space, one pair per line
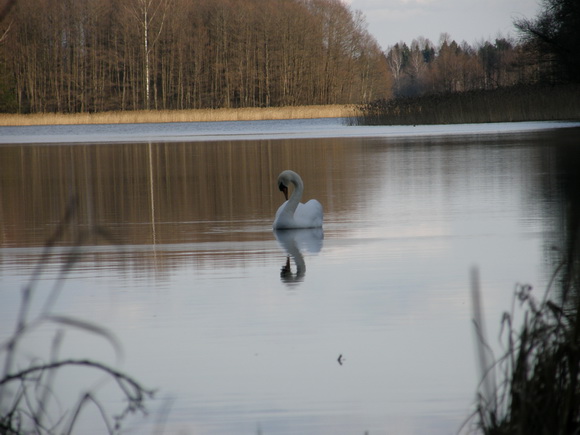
539, 371
27, 383
512, 104
194, 115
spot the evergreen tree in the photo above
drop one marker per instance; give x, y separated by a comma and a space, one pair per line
556, 32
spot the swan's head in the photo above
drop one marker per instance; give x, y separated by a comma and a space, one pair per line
284, 180
284, 190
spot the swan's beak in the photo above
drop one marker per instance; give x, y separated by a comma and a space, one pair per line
285, 190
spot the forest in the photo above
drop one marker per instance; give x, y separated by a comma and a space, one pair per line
426, 68
96, 55
533, 78
545, 53
70, 56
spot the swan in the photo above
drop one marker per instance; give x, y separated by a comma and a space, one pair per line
294, 214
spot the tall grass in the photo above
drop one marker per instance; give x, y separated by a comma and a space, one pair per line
194, 115
539, 372
27, 384
519, 103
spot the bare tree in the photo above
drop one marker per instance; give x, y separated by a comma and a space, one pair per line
93, 55
150, 15
395, 62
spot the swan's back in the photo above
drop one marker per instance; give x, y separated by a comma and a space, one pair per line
309, 215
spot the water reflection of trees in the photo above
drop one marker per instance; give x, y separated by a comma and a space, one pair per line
159, 194
179, 193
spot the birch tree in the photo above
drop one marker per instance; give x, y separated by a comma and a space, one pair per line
150, 16
395, 61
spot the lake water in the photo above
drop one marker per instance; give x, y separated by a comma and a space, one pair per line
239, 328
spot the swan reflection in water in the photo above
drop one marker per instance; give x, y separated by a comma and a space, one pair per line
294, 242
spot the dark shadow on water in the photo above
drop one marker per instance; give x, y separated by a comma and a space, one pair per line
294, 242
538, 390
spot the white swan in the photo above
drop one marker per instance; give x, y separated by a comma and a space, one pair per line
294, 214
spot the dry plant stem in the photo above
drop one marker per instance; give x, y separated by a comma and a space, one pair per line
86, 398
131, 387
133, 391
539, 369
22, 321
34, 384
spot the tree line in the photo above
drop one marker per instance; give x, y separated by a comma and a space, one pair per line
545, 53
426, 68
533, 78
97, 55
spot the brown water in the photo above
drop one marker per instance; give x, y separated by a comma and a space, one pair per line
178, 259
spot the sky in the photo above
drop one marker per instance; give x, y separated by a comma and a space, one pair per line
391, 21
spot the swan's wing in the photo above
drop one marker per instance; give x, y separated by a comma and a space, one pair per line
309, 215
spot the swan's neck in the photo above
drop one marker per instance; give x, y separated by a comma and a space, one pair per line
296, 195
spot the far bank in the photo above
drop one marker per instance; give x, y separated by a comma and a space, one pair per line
509, 104
194, 115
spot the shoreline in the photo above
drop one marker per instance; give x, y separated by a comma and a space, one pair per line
525, 103
321, 128
190, 115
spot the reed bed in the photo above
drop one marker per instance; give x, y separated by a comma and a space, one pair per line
194, 115
539, 372
513, 104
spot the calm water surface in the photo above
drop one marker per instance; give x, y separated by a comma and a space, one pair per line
240, 328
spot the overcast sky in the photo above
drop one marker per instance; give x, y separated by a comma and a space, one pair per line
391, 21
